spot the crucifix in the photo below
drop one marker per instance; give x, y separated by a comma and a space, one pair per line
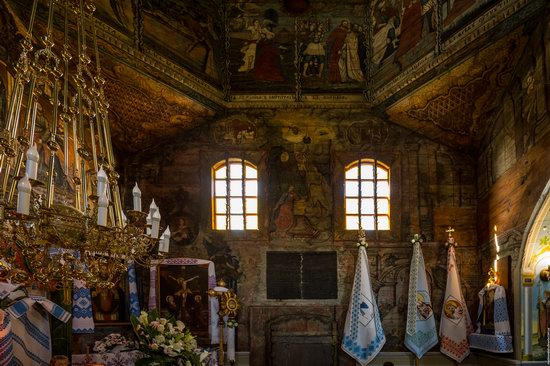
450, 231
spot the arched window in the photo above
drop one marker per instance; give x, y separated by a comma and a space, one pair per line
367, 195
234, 195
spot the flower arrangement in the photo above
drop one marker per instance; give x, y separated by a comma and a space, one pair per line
113, 342
166, 341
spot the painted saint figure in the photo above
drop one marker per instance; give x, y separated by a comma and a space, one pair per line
314, 54
349, 63
335, 43
249, 49
283, 212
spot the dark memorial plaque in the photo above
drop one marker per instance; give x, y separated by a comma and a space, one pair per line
301, 275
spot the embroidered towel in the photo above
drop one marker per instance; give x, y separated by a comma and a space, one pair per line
455, 319
421, 334
363, 333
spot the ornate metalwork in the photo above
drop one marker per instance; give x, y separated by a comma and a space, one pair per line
53, 243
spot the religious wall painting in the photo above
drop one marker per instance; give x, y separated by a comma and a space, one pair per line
228, 266
119, 14
367, 132
261, 47
404, 31
182, 294
272, 48
331, 52
533, 97
182, 217
455, 14
185, 32
235, 130
299, 193
110, 305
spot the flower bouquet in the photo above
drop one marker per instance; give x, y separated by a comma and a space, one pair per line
166, 342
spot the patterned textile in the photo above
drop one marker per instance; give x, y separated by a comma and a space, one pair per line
121, 358
108, 359
83, 318
363, 334
230, 343
421, 334
30, 329
455, 319
492, 343
132, 288
6, 340
213, 313
501, 341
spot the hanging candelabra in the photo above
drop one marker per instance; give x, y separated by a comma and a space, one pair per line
52, 235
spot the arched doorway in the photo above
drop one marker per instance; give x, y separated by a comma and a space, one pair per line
535, 282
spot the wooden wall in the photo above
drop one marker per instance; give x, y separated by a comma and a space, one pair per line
432, 187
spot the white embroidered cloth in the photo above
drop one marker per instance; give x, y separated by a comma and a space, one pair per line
455, 319
363, 333
421, 334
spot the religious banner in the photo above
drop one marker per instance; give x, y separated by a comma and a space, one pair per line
493, 332
421, 333
455, 319
363, 334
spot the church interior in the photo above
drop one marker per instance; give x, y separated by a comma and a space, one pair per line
274, 182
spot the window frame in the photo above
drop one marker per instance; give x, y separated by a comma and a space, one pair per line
376, 164
215, 211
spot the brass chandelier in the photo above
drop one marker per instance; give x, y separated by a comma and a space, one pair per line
51, 234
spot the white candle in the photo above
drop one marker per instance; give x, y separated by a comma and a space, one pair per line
24, 189
32, 162
137, 198
148, 224
166, 240
124, 219
161, 245
155, 225
102, 182
231, 343
102, 205
153, 207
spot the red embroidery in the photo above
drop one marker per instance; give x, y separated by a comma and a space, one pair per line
454, 348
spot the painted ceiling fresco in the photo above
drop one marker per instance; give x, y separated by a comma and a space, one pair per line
187, 61
280, 45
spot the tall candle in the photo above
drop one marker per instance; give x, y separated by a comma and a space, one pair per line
137, 198
24, 189
155, 225
102, 205
148, 224
161, 245
166, 236
102, 181
153, 207
32, 162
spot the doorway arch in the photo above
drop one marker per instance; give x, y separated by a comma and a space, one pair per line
535, 250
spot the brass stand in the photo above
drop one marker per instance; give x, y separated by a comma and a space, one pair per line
228, 305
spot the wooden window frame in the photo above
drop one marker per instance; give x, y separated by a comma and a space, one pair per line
375, 163
217, 211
